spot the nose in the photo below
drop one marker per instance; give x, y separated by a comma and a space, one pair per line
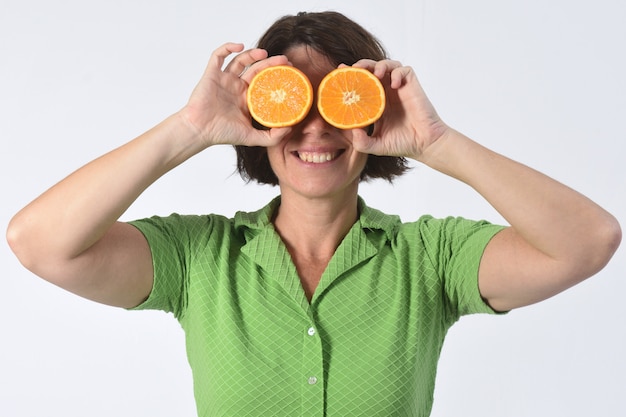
315, 123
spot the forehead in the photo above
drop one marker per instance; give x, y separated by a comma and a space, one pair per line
309, 61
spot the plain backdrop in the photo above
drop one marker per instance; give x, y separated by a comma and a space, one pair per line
540, 81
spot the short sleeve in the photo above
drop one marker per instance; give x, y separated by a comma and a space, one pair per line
171, 240
455, 247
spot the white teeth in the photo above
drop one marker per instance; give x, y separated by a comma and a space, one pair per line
317, 157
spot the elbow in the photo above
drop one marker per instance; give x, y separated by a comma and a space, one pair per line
615, 237
25, 244
608, 237
16, 241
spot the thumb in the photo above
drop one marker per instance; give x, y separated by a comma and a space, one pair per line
364, 143
265, 138
277, 135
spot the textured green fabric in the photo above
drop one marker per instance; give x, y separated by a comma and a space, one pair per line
366, 345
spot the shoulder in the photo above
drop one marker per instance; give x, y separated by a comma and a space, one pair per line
178, 226
427, 228
197, 228
439, 239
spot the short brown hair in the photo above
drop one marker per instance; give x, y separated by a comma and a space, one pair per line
343, 41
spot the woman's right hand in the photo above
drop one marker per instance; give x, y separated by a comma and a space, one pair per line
217, 110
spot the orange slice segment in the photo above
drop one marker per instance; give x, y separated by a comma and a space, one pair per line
351, 98
279, 96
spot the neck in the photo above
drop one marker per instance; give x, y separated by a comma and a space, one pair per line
314, 228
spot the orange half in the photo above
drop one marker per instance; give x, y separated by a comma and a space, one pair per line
351, 98
279, 96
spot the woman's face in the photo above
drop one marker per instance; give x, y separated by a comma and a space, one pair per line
316, 160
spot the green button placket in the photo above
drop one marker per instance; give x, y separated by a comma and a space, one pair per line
267, 250
312, 375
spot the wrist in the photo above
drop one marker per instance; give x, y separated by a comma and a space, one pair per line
435, 153
188, 129
450, 154
172, 141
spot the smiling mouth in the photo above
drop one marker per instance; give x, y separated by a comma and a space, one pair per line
318, 157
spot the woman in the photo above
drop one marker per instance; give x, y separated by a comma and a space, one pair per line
316, 304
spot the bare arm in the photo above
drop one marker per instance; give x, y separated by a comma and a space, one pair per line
557, 237
71, 235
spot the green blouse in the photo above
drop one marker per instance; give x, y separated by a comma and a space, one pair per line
366, 345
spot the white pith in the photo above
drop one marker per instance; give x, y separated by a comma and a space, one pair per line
278, 96
351, 97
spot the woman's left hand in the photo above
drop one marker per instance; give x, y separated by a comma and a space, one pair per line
409, 124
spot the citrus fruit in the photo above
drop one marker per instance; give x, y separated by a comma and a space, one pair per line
350, 98
279, 96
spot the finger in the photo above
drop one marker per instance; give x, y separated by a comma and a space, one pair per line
379, 68
382, 68
373, 64
399, 75
220, 54
267, 138
364, 143
369, 64
278, 134
244, 60
249, 71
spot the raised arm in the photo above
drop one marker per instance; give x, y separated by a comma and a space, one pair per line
557, 237
71, 236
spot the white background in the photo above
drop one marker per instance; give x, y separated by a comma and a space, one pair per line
540, 81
